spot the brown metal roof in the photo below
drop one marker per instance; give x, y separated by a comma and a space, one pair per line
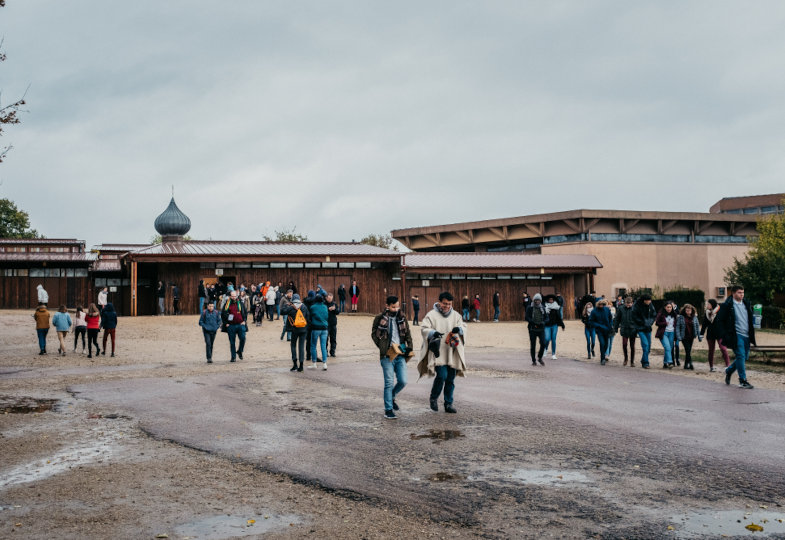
750, 201
119, 247
498, 260
42, 241
46, 256
205, 248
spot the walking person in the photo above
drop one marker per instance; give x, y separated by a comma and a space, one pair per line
623, 324
643, 316
203, 297
109, 324
309, 300
713, 332
354, 292
283, 305
62, 323
416, 309
602, 324
43, 296
175, 299
588, 329
296, 318
476, 306
554, 321
465, 305
332, 323
41, 317
537, 318
234, 316
103, 298
687, 329
676, 340
160, 293
442, 354
270, 302
560, 301
93, 319
80, 328
342, 297
390, 333
496, 306
210, 321
279, 290
318, 330
737, 330
666, 332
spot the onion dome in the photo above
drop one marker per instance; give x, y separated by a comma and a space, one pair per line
172, 222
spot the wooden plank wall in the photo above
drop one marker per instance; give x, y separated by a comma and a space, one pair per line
21, 292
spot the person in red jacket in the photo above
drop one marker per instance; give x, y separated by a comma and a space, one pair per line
476, 306
93, 319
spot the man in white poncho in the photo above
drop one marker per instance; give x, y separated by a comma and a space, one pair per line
442, 353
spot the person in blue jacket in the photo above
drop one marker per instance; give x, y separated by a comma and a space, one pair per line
62, 323
210, 321
318, 329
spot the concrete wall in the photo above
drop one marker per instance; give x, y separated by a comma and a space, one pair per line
656, 265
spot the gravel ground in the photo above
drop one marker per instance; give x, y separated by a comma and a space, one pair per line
156, 442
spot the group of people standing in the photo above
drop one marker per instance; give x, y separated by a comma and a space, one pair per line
726, 324
84, 324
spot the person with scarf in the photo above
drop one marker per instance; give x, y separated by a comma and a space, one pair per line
390, 333
553, 310
713, 333
537, 318
602, 324
234, 317
643, 315
666, 332
442, 354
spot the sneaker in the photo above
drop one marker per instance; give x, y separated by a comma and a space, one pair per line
395, 406
312, 366
746, 385
324, 367
390, 415
553, 357
449, 409
713, 369
294, 368
727, 377
434, 405
233, 360
88, 356
646, 366
209, 361
300, 370
112, 355
602, 361
103, 352
540, 361
240, 355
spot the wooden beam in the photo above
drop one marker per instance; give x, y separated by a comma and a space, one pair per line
572, 224
627, 224
589, 224
464, 236
134, 289
668, 225
435, 239
498, 232
535, 229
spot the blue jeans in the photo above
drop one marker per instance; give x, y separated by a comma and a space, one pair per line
477, 314
496, 312
319, 336
235, 330
602, 337
392, 370
590, 334
741, 351
343, 306
465, 314
667, 345
445, 377
550, 337
42, 337
645, 339
610, 344
201, 303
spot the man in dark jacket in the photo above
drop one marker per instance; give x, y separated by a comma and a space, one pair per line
210, 321
390, 333
332, 323
643, 315
294, 327
496, 306
109, 324
537, 319
416, 309
735, 319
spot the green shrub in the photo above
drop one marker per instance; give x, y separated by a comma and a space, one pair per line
773, 317
696, 297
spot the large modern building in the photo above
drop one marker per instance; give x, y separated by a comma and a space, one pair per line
655, 250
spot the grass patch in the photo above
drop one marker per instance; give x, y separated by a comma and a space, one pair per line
764, 361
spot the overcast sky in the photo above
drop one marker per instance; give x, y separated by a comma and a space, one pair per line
347, 118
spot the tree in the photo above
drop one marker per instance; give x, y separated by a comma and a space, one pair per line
380, 240
286, 235
762, 272
14, 223
8, 113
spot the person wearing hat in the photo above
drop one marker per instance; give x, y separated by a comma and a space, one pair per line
537, 317
442, 354
390, 333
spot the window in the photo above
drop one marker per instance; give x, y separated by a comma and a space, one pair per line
100, 282
329, 265
277, 265
752, 210
22, 272
36, 272
224, 265
442, 276
8, 272
242, 265
489, 276
719, 239
126, 282
295, 265
458, 276
345, 265
504, 276
260, 265
114, 282
206, 265
69, 272
362, 265
313, 265
80, 272
768, 210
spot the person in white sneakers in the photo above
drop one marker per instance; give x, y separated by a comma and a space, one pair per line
554, 321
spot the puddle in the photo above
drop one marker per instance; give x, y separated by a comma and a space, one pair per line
95, 449
223, 526
282, 391
445, 477
25, 405
539, 477
298, 408
732, 523
438, 435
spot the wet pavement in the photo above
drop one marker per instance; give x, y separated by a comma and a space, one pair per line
566, 450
